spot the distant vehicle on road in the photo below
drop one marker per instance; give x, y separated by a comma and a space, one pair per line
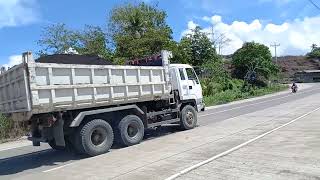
86, 107
294, 88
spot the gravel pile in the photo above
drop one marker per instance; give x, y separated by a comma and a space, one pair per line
74, 59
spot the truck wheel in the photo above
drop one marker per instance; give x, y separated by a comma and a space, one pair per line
96, 137
131, 130
188, 117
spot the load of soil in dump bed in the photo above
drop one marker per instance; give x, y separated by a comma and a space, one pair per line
74, 59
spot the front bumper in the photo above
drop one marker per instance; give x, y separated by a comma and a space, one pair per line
201, 106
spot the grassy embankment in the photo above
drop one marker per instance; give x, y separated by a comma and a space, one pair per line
215, 93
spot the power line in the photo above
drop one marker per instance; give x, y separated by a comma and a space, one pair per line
314, 4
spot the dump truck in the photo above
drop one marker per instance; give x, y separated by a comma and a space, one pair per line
89, 107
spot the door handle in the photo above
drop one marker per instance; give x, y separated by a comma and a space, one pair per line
190, 87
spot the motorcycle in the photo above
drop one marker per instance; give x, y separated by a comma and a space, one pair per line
294, 89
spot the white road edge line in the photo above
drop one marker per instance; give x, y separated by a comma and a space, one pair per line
209, 114
56, 168
191, 168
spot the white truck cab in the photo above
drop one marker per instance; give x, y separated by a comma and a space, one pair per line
186, 82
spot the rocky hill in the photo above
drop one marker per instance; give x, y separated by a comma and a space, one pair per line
292, 64
289, 65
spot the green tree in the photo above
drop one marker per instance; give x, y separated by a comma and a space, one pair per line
314, 47
58, 39
93, 41
138, 30
179, 55
315, 52
197, 49
254, 62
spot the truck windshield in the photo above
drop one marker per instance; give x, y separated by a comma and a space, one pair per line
192, 75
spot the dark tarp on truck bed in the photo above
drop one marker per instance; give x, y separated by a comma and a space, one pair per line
74, 59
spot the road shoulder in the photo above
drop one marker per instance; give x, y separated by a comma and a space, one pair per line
290, 153
22, 142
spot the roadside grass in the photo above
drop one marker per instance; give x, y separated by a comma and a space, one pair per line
236, 94
10, 130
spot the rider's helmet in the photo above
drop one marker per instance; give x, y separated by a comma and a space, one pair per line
294, 84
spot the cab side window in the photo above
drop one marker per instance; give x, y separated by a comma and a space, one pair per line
192, 75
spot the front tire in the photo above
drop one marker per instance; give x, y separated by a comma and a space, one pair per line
188, 118
96, 137
131, 130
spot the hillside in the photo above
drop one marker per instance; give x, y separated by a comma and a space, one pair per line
292, 64
289, 65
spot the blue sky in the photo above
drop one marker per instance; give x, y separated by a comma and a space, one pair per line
292, 23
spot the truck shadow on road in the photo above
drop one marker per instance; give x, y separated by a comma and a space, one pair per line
49, 158
151, 134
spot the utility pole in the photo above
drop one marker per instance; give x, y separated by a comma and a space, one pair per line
212, 37
275, 45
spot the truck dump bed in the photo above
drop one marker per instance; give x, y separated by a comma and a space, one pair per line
46, 87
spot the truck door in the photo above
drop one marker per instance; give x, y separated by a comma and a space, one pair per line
194, 86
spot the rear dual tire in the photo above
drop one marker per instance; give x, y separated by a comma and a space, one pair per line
94, 138
131, 130
97, 136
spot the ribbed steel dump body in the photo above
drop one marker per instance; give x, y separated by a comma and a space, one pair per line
45, 87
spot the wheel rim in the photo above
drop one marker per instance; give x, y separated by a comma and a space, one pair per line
189, 118
98, 136
132, 130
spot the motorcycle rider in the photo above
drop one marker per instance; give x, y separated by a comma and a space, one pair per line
294, 87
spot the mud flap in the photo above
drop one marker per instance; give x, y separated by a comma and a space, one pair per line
58, 133
34, 132
35, 143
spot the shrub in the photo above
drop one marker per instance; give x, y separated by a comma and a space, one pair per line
244, 92
212, 86
5, 127
10, 130
314, 54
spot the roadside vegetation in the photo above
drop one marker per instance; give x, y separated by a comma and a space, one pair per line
315, 52
238, 92
10, 130
5, 126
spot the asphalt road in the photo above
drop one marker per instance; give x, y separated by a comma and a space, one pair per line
16, 163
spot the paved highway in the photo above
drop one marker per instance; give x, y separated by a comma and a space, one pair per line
164, 152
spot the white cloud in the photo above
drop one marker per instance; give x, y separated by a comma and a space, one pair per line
13, 60
294, 36
191, 26
17, 12
214, 19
